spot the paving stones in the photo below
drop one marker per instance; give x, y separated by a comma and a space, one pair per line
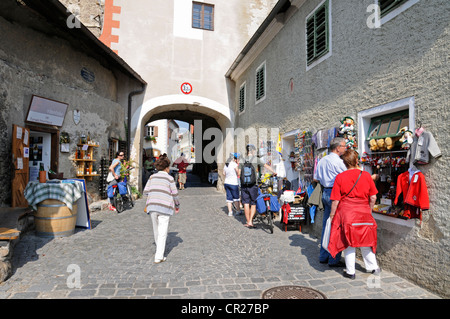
209, 255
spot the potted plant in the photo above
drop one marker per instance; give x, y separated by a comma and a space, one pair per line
150, 138
64, 140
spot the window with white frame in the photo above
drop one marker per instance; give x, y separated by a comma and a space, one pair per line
242, 96
318, 34
260, 83
384, 120
151, 131
389, 9
381, 122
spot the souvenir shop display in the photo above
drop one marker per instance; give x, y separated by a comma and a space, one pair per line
422, 146
347, 131
294, 209
266, 151
402, 188
305, 155
412, 189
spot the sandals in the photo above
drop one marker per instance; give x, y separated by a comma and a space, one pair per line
249, 226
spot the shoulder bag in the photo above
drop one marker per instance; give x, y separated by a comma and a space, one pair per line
353, 186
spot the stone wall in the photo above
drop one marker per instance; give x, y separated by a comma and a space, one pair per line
36, 63
407, 57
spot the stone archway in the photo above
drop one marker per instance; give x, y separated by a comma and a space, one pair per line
177, 106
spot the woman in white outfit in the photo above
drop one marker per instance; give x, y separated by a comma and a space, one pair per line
231, 183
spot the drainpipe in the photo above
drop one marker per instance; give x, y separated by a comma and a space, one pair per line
130, 99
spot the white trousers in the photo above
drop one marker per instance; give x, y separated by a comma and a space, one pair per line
160, 228
369, 258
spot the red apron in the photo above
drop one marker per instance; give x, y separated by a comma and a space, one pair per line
353, 225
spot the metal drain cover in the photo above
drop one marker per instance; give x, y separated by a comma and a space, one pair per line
292, 292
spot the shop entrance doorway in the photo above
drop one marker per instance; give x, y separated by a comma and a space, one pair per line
40, 153
288, 145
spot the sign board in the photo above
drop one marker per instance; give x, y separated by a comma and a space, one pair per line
297, 213
186, 88
46, 111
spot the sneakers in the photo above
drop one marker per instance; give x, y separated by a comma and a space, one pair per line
348, 275
375, 271
230, 213
160, 261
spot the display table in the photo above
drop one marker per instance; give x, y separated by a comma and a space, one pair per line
212, 177
71, 195
68, 193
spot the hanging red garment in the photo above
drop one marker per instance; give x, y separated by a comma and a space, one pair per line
286, 210
415, 194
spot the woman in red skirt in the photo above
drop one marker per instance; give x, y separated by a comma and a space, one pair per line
353, 197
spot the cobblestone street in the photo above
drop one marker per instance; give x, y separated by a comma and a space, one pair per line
209, 255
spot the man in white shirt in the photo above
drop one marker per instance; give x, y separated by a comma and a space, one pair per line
326, 171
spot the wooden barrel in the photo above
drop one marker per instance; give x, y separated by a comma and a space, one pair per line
54, 219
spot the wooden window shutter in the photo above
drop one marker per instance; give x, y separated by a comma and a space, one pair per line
155, 131
260, 83
387, 125
123, 148
111, 154
317, 34
242, 99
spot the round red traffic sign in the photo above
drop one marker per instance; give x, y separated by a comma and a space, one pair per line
186, 88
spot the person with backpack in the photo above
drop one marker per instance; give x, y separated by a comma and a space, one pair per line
248, 170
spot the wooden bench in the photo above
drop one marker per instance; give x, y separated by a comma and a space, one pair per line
9, 221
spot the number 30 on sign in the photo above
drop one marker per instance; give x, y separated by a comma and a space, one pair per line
186, 88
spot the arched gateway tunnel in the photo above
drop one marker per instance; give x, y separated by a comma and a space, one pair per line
210, 119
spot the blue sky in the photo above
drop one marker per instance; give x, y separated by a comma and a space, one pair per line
182, 125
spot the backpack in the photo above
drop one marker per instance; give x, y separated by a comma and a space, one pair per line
248, 175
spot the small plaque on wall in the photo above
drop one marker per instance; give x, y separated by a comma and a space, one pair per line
87, 75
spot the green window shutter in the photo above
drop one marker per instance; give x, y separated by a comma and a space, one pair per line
242, 99
388, 125
318, 33
260, 83
387, 6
